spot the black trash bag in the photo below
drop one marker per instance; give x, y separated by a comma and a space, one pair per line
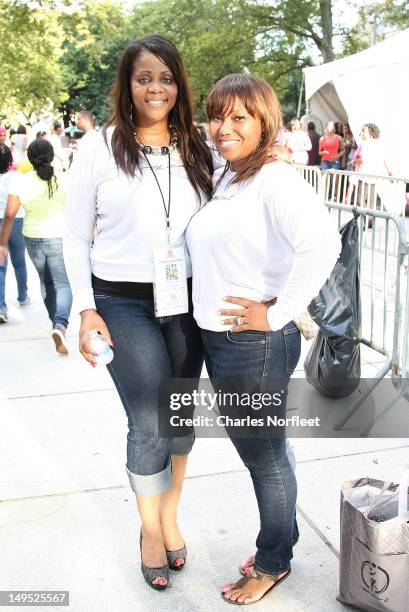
333, 364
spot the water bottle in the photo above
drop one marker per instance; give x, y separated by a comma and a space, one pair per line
99, 345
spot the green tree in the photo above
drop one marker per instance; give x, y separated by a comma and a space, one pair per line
374, 22
94, 35
31, 79
394, 13
309, 21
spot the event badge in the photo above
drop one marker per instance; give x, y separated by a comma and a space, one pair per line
170, 285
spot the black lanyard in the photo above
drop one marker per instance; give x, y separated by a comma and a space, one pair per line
167, 210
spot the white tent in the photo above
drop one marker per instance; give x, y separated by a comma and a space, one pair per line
368, 87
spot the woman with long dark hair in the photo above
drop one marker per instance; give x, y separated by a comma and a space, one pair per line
42, 198
261, 250
134, 188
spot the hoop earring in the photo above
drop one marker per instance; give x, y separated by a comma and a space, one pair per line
131, 111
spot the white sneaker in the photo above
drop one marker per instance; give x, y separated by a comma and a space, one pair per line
58, 335
3, 316
25, 302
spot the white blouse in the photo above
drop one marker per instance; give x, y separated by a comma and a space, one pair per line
114, 223
270, 236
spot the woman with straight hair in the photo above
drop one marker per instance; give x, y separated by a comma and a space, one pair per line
42, 198
133, 190
266, 239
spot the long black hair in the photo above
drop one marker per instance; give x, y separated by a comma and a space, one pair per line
6, 159
40, 154
195, 154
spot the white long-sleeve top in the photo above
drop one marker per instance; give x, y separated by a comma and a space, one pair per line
114, 223
270, 236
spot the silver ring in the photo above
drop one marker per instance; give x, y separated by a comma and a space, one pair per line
240, 320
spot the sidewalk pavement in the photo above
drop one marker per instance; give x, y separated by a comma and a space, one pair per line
67, 515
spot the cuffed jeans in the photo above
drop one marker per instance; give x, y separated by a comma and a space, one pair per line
47, 257
262, 357
17, 251
147, 351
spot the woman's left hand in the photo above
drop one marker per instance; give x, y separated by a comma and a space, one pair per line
279, 153
253, 315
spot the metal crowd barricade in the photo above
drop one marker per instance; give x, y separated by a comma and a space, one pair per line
312, 174
364, 190
383, 263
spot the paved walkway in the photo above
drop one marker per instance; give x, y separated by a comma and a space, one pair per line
67, 514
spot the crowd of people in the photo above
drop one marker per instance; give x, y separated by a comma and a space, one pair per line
156, 245
337, 148
32, 197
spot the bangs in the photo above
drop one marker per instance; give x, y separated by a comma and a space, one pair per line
260, 101
224, 94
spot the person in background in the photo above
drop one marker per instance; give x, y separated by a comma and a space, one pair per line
339, 129
19, 144
59, 161
65, 141
17, 247
350, 147
3, 135
85, 121
298, 143
42, 198
42, 134
370, 157
331, 148
203, 133
313, 156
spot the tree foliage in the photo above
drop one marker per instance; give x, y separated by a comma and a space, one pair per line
29, 55
215, 37
374, 23
64, 53
94, 34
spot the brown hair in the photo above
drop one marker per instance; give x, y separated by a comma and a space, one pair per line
195, 154
260, 100
373, 130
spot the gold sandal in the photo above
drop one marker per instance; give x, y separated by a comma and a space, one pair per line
244, 566
258, 576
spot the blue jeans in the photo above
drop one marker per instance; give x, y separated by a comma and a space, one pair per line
47, 257
147, 351
17, 250
329, 165
262, 357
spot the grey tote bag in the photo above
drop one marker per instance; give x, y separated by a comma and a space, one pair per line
374, 563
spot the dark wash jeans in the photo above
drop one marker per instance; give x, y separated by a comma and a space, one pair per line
47, 257
148, 350
17, 251
262, 357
